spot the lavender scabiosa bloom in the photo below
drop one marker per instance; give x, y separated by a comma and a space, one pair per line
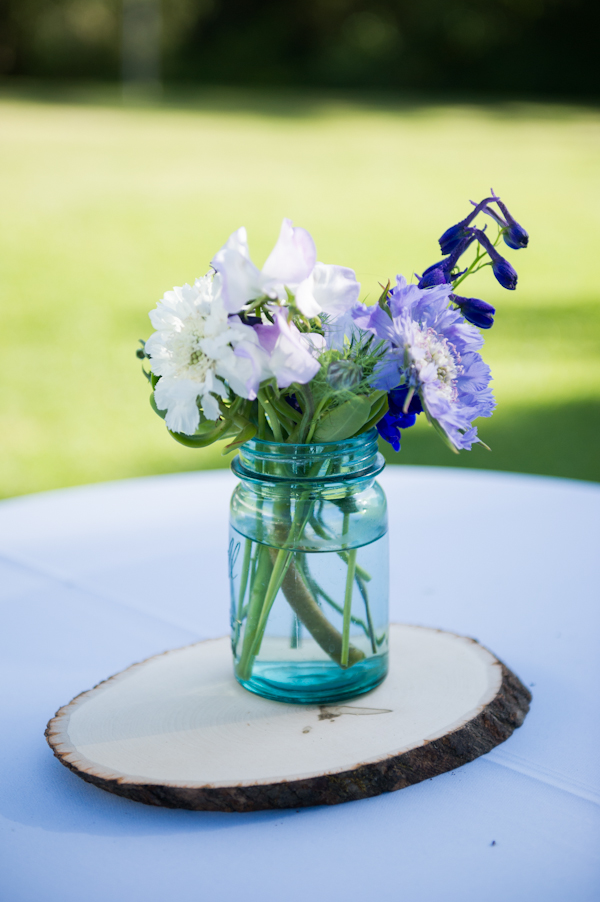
453, 236
475, 311
432, 352
441, 273
504, 272
513, 234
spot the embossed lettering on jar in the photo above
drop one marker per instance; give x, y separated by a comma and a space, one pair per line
309, 570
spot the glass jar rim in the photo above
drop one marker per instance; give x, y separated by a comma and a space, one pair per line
348, 459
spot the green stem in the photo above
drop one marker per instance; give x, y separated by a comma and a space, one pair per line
322, 532
471, 269
264, 400
348, 607
318, 591
302, 601
244, 576
262, 599
285, 411
262, 423
316, 416
301, 431
295, 637
365, 597
262, 577
282, 562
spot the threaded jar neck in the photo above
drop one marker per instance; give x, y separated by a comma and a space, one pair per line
336, 461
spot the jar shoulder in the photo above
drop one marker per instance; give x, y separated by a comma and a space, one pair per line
322, 521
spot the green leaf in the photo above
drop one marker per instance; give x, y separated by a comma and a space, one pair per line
245, 435
161, 413
203, 437
343, 421
378, 410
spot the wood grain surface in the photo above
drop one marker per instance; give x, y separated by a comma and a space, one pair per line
178, 731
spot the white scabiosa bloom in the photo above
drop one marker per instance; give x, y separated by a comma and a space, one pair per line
198, 351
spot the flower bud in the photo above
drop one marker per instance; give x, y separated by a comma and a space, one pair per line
503, 271
441, 273
477, 312
438, 274
452, 237
513, 234
344, 375
516, 236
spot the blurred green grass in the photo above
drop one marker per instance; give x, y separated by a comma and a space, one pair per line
105, 207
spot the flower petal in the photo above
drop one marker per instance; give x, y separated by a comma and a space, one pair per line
293, 258
178, 398
241, 279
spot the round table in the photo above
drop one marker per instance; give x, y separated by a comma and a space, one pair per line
95, 578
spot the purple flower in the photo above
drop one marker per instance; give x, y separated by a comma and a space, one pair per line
504, 272
514, 235
441, 273
431, 352
290, 354
397, 403
388, 428
475, 311
452, 237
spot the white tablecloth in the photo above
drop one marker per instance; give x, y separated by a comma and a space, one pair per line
94, 578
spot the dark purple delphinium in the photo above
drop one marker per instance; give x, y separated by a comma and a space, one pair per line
475, 311
514, 235
399, 408
397, 418
441, 273
389, 430
504, 272
452, 237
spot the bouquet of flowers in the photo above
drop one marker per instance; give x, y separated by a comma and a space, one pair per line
288, 353
297, 373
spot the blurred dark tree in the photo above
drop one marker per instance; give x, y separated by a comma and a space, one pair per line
512, 47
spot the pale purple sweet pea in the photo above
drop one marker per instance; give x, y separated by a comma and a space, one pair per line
241, 280
328, 289
291, 266
292, 259
433, 351
290, 353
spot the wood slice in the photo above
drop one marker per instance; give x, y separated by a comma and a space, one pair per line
177, 730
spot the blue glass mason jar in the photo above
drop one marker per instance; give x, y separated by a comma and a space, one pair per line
309, 570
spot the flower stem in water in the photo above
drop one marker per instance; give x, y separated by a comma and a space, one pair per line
348, 607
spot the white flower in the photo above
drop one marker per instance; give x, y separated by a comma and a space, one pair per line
195, 347
292, 264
